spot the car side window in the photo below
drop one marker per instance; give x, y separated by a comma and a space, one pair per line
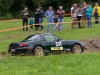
35, 37
49, 37
56, 38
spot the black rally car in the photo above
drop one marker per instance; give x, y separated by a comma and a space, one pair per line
44, 43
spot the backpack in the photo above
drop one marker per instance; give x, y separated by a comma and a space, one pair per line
55, 19
96, 10
42, 13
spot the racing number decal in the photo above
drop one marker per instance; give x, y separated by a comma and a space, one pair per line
58, 46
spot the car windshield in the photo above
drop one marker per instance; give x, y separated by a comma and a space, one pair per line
33, 38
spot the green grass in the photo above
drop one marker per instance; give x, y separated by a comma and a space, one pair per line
69, 64
85, 64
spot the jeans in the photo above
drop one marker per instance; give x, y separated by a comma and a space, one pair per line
41, 21
88, 17
25, 20
96, 18
48, 27
60, 26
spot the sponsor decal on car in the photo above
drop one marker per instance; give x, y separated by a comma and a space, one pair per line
57, 48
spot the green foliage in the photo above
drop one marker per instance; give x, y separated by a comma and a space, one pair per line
16, 6
7, 16
38, 2
5, 6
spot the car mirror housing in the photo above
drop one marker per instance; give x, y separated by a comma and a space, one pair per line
58, 40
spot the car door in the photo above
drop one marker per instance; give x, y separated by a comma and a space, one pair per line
63, 42
50, 41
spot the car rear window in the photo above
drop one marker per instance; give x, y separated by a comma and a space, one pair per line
33, 38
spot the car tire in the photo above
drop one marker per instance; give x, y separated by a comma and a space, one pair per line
77, 49
38, 51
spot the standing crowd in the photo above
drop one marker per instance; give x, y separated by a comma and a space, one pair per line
39, 15
80, 14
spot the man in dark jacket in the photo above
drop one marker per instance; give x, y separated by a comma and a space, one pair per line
41, 15
37, 15
25, 14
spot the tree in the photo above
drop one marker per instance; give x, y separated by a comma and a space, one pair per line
14, 7
5, 6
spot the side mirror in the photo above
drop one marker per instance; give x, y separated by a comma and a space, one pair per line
58, 40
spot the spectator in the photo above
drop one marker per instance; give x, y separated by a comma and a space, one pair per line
84, 14
25, 14
31, 22
41, 15
56, 21
50, 17
96, 12
79, 15
72, 10
74, 16
61, 14
89, 15
37, 19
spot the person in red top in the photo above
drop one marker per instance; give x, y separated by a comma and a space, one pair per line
60, 14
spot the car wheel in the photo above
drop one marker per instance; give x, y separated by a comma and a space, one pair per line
38, 51
77, 49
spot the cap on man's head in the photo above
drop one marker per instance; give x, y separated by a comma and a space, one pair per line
26, 6
31, 17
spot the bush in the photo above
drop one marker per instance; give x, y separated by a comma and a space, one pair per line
8, 16
17, 16
1, 18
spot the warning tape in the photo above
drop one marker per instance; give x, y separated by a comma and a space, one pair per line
12, 29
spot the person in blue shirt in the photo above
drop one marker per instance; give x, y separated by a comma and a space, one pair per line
31, 22
50, 17
89, 15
